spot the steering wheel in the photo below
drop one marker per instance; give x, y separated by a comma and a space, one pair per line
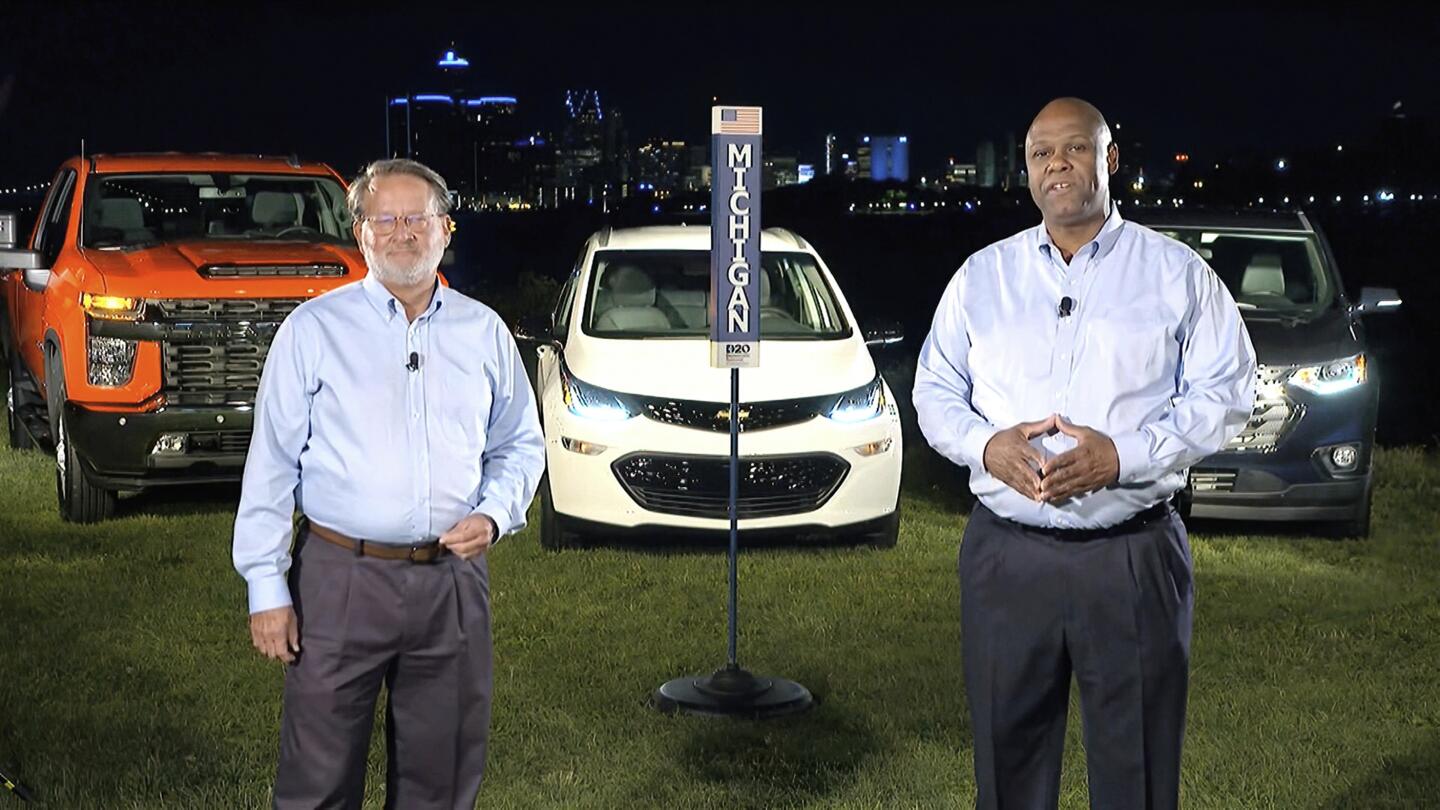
295, 229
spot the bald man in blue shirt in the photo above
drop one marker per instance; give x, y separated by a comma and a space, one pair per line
1077, 369
395, 414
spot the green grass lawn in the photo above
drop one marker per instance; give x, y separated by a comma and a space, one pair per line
127, 679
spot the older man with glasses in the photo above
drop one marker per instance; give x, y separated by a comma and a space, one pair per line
395, 416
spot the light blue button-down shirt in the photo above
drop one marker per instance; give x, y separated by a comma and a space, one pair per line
1154, 354
365, 446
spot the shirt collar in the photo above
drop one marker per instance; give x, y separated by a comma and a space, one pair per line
1098, 247
388, 306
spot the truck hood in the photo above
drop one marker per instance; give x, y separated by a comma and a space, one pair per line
172, 270
1281, 343
680, 369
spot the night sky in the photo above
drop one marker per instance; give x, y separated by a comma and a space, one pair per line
276, 79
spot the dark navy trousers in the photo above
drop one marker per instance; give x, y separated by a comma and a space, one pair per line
1114, 611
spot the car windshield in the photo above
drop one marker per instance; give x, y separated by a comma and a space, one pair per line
1265, 271
135, 210
666, 294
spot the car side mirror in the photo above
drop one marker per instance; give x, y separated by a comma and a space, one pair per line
883, 334
37, 275
535, 330
1374, 300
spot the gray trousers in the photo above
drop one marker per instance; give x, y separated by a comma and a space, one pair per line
1114, 611
421, 629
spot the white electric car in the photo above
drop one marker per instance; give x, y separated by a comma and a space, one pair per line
637, 421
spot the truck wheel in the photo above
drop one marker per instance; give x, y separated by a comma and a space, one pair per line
80, 501
552, 535
14, 400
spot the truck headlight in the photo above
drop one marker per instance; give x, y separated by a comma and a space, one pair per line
112, 307
593, 402
1330, 378
860, 404
110, 361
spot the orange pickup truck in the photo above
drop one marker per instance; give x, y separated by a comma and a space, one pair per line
137, 317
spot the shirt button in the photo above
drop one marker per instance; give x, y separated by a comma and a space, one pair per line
1064, 355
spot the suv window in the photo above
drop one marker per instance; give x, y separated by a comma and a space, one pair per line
1265, 271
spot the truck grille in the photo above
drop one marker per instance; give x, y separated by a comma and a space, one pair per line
1274, 416
699, 486
220, 359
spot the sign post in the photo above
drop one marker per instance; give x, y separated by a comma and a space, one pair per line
735, 273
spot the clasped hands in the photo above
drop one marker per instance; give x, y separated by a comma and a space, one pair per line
1091, 464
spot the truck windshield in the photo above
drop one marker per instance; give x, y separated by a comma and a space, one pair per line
134, 210
1268, 272
666, 294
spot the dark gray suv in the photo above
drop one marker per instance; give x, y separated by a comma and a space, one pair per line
1305, 454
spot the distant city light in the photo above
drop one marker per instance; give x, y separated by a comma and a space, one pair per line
435, 97
1281, 164
1337, 198
1181, 157
1385, 196
1339, 147
451, 60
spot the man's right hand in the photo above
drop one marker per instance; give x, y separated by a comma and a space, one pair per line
276, 633
1010, 457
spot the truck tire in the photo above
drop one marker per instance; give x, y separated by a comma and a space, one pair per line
80, 501
20, 438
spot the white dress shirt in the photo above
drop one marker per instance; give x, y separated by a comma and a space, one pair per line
347, 432
1153, 354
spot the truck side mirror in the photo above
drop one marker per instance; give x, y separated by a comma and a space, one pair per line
1374, 300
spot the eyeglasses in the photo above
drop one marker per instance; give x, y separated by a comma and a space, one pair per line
385, 224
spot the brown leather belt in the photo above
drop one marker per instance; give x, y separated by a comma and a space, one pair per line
422, 553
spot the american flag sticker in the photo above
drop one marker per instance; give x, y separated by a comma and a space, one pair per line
735, 120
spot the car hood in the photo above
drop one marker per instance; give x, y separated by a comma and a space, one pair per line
680, 369
171, 270
1282, 343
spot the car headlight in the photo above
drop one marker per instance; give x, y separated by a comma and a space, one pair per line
110, 361
112, 307
593, 402
1330, 378
865, 402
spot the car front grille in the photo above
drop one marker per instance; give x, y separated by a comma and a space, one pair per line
1273, 417
699, 486
226, 442
1202, 480
716, 415
217, 347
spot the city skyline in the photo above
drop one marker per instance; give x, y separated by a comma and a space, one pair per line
279, 80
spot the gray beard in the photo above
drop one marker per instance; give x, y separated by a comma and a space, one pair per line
401, 275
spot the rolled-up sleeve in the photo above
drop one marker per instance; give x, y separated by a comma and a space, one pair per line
265, 518
942, 384
1216, 390
514, 455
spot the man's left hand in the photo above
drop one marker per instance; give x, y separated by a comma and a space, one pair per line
1091, 464
470, 537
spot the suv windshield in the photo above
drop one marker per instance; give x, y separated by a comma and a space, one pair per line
133, 210
666, 294
1266, 271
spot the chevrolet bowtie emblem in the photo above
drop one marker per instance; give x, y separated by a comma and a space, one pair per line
723, 415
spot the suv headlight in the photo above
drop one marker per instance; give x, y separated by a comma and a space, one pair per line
860, 404
593, 402
110, 361
1330, 378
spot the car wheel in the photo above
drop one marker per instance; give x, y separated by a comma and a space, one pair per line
1357, 527
889, 532
80, 501
553, 536
20, 438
